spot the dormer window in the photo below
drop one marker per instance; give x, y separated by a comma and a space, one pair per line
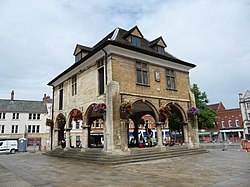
160, 50
78, 57
136, 41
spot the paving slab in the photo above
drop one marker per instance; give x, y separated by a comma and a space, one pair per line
217, 168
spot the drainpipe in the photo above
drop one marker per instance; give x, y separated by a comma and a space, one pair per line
105, 65
52, 113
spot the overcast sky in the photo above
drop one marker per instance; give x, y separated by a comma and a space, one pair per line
37, 40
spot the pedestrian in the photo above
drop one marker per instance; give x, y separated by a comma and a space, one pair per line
149, 134
63, 143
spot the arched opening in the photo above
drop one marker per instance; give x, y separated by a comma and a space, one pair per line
60, 122
94, 117
74, 124
175, 126
141, 124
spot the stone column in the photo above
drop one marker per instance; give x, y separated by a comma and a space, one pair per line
67, 138
196, 133
124, 134
112, 125
159, 134
190, 133
185, 132
55, 139
85, 137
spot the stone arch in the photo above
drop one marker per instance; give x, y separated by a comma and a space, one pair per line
95, 136
74, 115
60, 125
179, 109
140, 109
181, 114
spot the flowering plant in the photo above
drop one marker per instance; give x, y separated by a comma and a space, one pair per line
193, 111
49, 122
126, 107
100, 108
165, 112
76, 114
61, 120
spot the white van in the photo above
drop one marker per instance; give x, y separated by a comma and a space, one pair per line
8, 146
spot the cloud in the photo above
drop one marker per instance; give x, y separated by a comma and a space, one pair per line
37, 39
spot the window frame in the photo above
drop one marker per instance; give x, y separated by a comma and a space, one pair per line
74, 85
237, 123
142, 73
78, 57
60, 98
2, 128
223, 124
170, 79
136, 41
160, 50
2, 115
230, 123
14, 129
101, 76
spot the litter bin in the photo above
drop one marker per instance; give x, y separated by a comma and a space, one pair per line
22, 145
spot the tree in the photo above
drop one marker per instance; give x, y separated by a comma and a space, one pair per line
174, 123
206, 116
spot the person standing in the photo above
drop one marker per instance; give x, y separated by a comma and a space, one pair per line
63, 143
149, 134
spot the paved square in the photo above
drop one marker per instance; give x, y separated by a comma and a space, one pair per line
217, 168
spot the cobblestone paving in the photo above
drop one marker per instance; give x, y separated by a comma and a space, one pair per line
217, 168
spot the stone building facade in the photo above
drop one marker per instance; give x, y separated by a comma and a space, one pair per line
123, 70
245, 110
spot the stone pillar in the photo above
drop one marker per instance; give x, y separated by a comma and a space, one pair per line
124, 134
196, 133
159, 134
185, 132
67, 138
112, 125
190, 133
55, 139
85, 137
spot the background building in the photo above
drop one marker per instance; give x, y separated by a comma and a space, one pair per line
26, 119
245, 110
228, 125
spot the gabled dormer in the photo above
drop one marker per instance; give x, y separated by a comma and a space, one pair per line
134, 36
81, 51
158, 44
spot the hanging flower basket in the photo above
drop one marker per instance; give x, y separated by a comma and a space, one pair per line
126, 107
100, 108
165, 112
60, 120
49, 122
193, 111
76, 114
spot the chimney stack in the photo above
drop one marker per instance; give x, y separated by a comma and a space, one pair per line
12, 95
46, 99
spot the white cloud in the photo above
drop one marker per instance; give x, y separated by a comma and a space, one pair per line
37, 39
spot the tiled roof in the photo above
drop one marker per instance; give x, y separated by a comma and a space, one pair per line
214, 106
22, 106
118, 37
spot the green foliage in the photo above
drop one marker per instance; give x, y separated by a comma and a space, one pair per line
206, 117
174, 123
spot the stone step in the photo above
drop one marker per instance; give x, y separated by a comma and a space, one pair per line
135, 156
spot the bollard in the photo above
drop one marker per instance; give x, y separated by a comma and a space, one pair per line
224, 147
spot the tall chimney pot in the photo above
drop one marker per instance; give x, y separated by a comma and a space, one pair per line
12, 95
